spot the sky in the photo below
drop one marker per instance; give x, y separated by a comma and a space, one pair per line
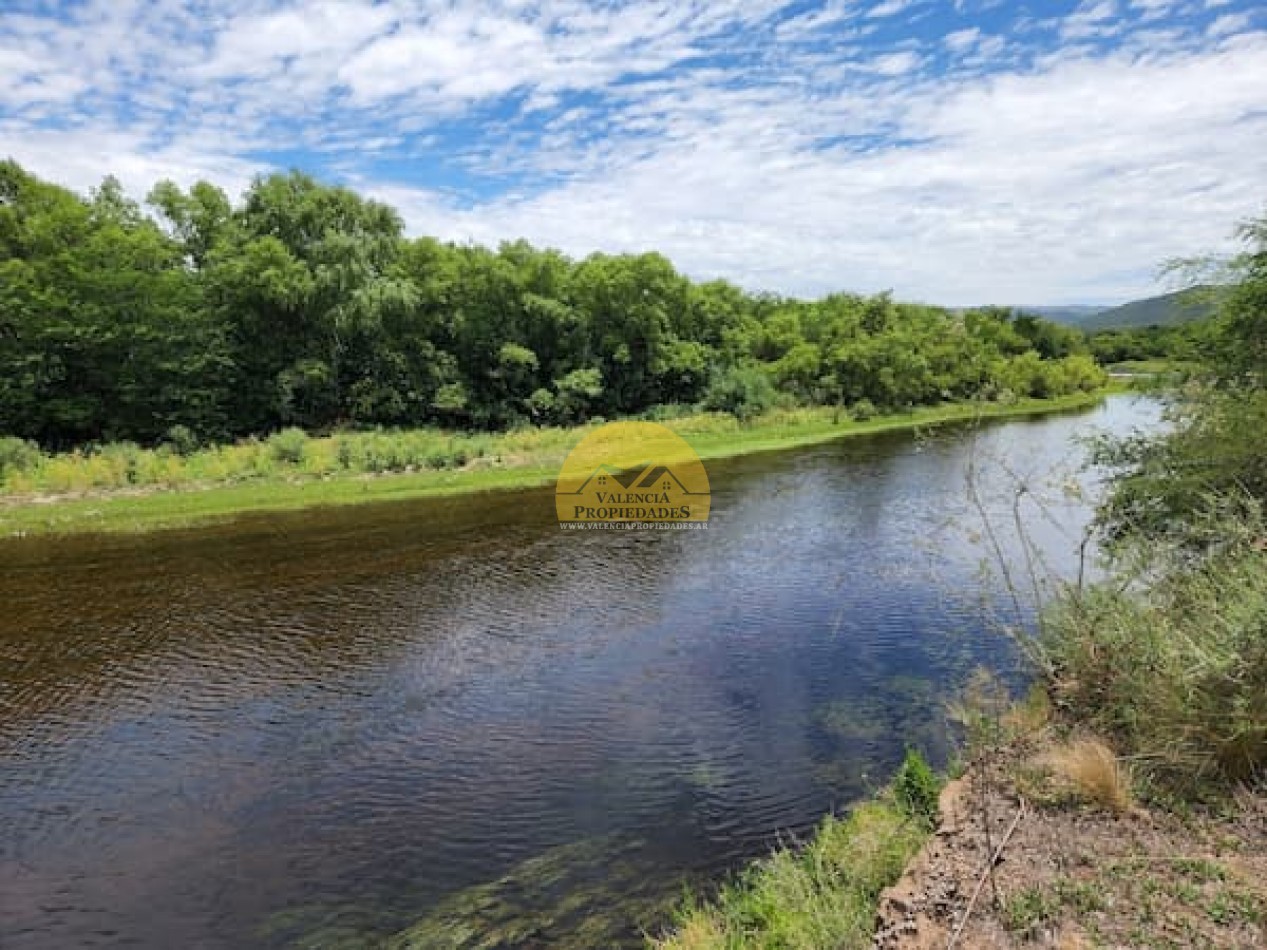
954, 151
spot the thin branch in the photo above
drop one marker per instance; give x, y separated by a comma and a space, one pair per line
986, 872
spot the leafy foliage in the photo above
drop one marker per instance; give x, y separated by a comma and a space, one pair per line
1214, 457
17, 455
305, 306
1170, 659
917, 788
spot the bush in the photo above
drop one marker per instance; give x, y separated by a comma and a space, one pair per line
123, 463
1178, 677
1213, 456
862, 410
344, 452
182, 440
916, 789
742, 391
18, 456
289, 446
667, 411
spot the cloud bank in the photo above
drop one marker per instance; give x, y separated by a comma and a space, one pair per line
956, 153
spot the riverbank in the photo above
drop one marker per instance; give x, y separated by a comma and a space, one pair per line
1040, 842
1122, 803
134, 490
822, 895
1044, 843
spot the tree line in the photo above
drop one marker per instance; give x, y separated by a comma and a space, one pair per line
195, 319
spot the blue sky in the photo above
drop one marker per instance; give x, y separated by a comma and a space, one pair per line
955, 151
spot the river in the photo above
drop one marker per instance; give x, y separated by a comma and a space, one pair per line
320, 729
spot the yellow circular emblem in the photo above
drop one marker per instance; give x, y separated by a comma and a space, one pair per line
632, 472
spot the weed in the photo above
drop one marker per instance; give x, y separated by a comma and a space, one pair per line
1178, 677
819, 897
916, 788
1094, 771
1027, 911
18, 456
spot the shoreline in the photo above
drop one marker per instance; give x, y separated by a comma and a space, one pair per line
1072, 860
141, 510
1052, 860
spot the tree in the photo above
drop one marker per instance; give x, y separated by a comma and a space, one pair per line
1213, 461
304, 305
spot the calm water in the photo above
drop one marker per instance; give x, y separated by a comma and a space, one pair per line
322, 729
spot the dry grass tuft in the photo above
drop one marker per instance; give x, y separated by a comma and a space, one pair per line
1091, 767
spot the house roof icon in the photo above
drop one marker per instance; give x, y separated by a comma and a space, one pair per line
647, 476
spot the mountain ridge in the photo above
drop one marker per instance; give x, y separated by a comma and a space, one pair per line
1168, 309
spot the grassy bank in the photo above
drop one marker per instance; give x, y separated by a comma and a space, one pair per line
126, 488
822, 896
1152, 367
1122, 803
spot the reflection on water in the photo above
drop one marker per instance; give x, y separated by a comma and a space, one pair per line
337, 725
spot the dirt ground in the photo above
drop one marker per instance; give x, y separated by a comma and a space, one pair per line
1072, 874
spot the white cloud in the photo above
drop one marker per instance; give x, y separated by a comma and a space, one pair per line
962, 40
253, 45
1230, 23
1071, 184
81, 158
1152, 9
887, 8
803, 159
892, 64
1091, 18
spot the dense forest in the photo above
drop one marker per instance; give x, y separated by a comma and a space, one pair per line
1186, 343
305, 305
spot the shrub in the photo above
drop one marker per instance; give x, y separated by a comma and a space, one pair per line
664, 412
288, 446
540, 405
916, 789
182, 440
122, 464
862, 410
344, 452
1177, 676
742, 391
18, 456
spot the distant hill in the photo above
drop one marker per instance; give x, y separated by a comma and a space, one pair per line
1166, 310
1181, 306
1070, 314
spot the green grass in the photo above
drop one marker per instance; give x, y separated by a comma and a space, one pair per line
1151, 367
819, 897
126, 488
823, 895
1028, 910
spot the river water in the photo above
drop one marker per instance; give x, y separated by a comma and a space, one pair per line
452, 718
